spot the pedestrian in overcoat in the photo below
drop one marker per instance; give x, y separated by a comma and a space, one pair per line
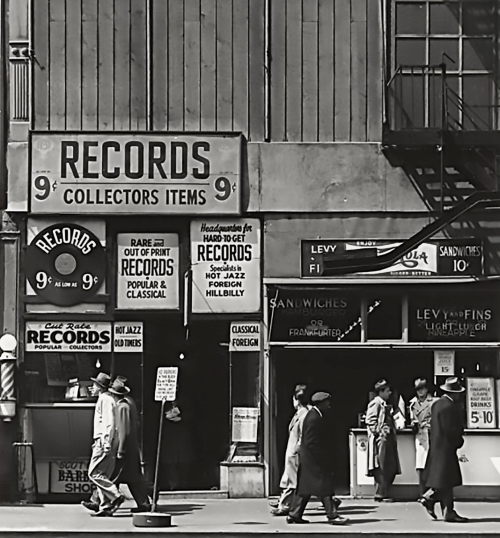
420, 414
442, 469
128, 467
315, 469
288, 482
383, 458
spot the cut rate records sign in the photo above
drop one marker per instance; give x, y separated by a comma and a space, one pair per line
135, 173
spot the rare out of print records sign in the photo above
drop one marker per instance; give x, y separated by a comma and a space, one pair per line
146, 173
148, 271
225, 258
65, 264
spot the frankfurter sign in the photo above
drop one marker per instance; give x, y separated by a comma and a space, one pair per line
128, 173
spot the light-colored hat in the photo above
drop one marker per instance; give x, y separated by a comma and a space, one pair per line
119, 388
420, 383
381, 385
452, 384
102, 379
318, 397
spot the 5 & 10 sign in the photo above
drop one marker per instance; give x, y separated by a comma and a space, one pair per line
481, 409
135, 173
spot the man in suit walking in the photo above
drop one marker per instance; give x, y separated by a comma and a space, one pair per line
128, 466
315, 470
442, 469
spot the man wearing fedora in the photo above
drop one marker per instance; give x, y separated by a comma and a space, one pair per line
442, 469
102, 462
383, 458
420, 414
128, 466
315, 471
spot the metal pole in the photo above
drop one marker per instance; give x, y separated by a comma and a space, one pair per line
443, 129
158, 452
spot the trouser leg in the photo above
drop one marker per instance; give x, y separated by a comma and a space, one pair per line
331, 511
421, 482
139, 491
100, 470
286, 497
446, 500
298, 507
380, 490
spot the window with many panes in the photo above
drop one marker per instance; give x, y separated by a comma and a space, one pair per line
463, 35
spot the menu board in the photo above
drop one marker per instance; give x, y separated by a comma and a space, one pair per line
481, 409
309, 315
454, 317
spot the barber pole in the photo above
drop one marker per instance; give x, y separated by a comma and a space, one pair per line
7, 366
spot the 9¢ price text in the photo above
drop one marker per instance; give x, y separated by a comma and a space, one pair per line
43, 280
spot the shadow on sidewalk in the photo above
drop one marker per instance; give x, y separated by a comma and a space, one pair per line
174, 509
484, 520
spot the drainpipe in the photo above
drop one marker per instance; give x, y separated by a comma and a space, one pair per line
3, 105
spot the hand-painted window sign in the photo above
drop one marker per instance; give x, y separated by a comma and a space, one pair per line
135, 173
454, 257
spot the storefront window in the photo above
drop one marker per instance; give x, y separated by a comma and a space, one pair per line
383, 317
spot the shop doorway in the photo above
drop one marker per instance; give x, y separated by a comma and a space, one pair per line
348, 375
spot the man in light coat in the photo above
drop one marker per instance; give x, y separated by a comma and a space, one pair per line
288, 482
315, 475
420, 415
383, 458
442, 469
102, 462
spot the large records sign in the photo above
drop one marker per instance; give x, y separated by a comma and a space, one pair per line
65, 264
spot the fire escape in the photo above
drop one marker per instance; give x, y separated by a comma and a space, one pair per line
449, 149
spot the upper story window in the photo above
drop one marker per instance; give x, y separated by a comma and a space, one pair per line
460, 34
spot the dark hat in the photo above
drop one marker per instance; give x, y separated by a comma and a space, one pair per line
452, 384
102, 379
119, 388
420, 383
318, 397
381, 385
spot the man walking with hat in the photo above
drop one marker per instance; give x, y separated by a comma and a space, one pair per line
128, 466
420, 413
315, 472
102, 462
442, 469
383, 458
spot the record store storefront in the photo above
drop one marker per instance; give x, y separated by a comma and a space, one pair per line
136, 258
418, 318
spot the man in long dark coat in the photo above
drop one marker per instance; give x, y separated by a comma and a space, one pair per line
442, 469
128, 465
315, 470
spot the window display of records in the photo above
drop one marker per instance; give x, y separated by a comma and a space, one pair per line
65, 264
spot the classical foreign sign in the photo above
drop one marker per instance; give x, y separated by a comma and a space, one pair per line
68, 336
481, 410
166, 383
457, 257
65, 264
225, 257
128, 336
148, 271
245, 336
135, 173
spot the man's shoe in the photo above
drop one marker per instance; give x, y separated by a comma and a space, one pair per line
279, 512
387, 500
89, 505
453, 517
140, 509
273, 504
113, 507
338, 520
104, 512
337, 502
429, 506
293, 520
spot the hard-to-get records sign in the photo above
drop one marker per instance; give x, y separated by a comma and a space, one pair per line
68, 336
65, 264
148, 271
225, 257
76, 173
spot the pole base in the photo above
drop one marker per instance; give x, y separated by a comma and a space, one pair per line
151, 519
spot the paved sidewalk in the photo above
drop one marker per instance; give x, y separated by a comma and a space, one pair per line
238, 518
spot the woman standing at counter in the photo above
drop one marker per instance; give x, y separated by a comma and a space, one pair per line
420, 413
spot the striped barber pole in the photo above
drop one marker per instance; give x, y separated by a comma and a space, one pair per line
7, 380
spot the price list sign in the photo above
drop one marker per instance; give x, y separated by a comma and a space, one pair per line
481, 410
166, 383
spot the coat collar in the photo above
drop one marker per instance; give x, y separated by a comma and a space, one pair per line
320, 413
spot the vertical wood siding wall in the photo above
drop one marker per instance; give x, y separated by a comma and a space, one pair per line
206, 62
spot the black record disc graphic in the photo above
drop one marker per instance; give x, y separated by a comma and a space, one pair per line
65, 264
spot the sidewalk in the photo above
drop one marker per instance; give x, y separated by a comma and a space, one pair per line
238, 518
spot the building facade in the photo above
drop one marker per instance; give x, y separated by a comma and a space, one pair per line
180, 174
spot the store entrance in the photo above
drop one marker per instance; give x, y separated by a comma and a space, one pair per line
348, 375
